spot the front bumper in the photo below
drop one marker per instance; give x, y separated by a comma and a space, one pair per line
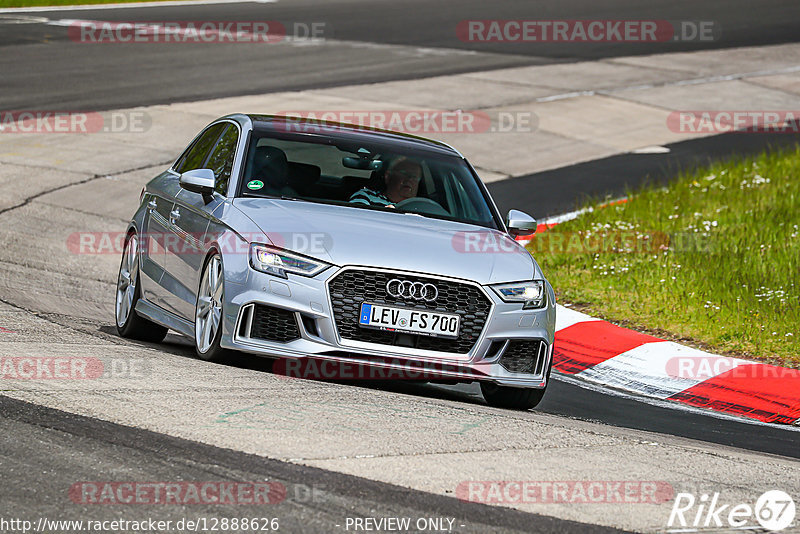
317, 337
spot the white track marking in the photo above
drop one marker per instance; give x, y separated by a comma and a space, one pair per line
416, 51
564, 217
566, 317
88, 7
22, 19
653, 369
655, 149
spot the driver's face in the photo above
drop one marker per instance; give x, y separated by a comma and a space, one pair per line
402, 182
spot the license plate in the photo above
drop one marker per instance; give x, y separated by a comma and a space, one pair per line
408, 320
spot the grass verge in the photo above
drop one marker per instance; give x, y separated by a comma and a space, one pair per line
713, 259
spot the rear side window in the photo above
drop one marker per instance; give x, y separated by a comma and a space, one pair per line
196, 155
221, 160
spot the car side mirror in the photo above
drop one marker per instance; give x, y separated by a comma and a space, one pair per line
520, 223
199, 181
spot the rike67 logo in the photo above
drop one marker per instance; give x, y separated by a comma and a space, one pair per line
773, 511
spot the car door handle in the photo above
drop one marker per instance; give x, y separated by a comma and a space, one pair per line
174, 215
152, 205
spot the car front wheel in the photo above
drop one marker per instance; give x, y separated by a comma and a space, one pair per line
208, 312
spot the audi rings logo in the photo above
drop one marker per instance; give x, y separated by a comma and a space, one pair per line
406, 289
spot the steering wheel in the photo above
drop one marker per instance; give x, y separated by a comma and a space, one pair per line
423, 205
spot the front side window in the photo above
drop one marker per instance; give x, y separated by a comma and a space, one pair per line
221, 159
195, 156
365, 175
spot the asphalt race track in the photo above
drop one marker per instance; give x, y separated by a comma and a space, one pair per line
365, 42
88, 449
340, 449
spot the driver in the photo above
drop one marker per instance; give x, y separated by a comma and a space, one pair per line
401, 182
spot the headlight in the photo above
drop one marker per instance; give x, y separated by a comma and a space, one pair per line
532, 294
279, 262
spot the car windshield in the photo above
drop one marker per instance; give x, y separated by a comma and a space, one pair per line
364, 175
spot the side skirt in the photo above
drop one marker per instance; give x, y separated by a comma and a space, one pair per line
164, 318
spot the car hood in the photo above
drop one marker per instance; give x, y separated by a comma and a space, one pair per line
354, 236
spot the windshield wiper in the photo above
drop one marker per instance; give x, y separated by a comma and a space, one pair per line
298, 199
419, 214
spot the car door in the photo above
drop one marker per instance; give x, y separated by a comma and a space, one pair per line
159, 200
193, 158
190, 219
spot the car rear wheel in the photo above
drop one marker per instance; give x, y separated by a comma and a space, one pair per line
209, 313
512, 398
129, 323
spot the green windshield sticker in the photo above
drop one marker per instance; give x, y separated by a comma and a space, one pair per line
255, 184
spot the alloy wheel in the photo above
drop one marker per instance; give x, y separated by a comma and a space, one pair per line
126, 282
208, 315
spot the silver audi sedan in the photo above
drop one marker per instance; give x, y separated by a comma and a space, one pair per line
333, 247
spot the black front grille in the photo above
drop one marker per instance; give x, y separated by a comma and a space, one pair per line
525, 356
352, 287
274, 324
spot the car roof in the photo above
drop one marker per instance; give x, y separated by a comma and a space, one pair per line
348, 132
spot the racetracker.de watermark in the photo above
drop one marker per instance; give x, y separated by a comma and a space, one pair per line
98, 243
422, 121
583, 242
70, 368
178, 493
725, 121
73, 122
565, 492
196, 32
705, 367
587, 31
386, 369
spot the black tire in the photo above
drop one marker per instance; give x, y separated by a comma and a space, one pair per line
135, 326
215, 352
511, 398
514, 398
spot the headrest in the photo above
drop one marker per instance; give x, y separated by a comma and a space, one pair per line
271, 165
